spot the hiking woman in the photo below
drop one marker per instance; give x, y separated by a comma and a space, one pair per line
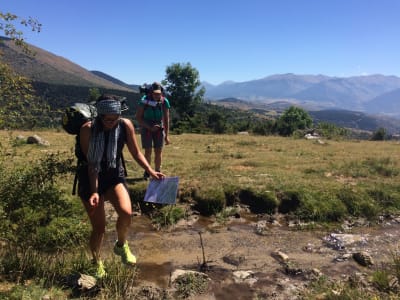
102, 177
153, 117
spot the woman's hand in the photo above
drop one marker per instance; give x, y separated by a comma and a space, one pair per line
156, 175
94, 199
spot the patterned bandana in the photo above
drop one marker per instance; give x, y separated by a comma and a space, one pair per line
110, 106
96, 147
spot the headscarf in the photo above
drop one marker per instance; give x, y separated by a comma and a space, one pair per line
97, 139
108, 106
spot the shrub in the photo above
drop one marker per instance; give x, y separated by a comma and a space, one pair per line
259, 202
387, 198
231, 194
31, 201
324, 207
168, 215
358, 203
209, 201
289, 201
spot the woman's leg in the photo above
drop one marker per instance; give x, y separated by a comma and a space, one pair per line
98, 221
119, 198
147, 154
157, 158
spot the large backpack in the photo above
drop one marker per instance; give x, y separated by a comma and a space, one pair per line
76, 115
73, 118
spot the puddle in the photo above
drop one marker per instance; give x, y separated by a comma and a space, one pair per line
156, 273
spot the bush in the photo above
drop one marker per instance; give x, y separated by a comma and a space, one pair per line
388, 198
31, 202
289, 201
210, 201
321, 207
358, 204
259, 202
168, 215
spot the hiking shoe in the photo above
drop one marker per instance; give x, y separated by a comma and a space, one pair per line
100, 271
126, 256
146, 175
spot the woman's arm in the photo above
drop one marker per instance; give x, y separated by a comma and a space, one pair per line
166, 124
134, 150
84, 138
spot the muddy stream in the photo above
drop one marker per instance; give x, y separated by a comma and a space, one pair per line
250, 244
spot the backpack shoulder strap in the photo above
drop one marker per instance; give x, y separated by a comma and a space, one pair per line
123, 127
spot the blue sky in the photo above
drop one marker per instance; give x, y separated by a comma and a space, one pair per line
236, 40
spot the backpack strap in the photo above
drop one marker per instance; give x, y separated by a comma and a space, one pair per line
122, 123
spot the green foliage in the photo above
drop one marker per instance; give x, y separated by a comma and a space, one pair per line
387, 197
379, 135
182, 84
9, 23
358, 203
320, 206
18, 107
259, 202
383, 166
32, 206
94, 94
289, 201
209, 201
331, 131
168, 215
292, 119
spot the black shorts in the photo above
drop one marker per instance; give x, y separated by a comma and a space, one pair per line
107, 179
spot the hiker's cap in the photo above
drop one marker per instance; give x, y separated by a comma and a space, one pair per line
156, 88
108, 106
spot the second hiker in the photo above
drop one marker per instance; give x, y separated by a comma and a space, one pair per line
153, 117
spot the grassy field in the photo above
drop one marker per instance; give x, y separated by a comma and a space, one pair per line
250, 161
262, 164
314, 180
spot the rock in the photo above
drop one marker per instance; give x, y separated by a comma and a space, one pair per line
234, 260
86, 282
244, 276
280, 256
340, 241
363, 258
35, 139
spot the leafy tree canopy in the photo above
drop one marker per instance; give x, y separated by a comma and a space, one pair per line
182, 84
292, 119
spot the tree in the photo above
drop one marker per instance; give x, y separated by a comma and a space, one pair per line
292, 119
379, 135
182, 85
17, 107
9, 23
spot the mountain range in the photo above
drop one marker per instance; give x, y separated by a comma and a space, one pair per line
375, 97
373, 94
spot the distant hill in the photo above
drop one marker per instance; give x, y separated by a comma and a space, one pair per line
386, 102
46, 67
340, 117
107, 77
369, 94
